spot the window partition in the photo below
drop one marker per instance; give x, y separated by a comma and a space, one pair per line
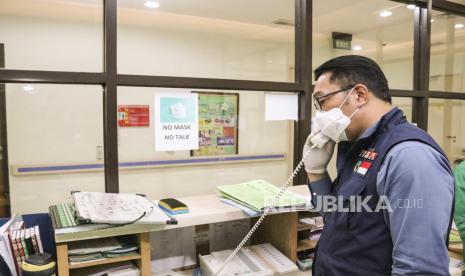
55, 143
446, 121
236, 144
52, 35
85, 58
209, 39
385, 35
447, 72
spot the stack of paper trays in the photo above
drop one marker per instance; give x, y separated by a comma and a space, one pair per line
257, 194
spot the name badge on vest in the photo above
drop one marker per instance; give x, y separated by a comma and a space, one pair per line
365, 161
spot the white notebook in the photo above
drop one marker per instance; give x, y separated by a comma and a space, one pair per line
96, 207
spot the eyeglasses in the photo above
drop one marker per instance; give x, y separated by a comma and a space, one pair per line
318, 101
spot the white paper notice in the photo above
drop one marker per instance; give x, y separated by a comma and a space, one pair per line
176, 122
280, 106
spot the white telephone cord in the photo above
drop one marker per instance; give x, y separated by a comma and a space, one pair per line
265, 211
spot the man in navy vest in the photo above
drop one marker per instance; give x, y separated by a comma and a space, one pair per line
389, 210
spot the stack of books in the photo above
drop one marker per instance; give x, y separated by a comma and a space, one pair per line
64, 220
315, 224
25, 242
17, 243
92, 250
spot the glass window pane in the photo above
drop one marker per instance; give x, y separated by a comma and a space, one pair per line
55, 143
446, 119
447, 70
250, 40
59, 35
458, 1
405, 104
256, 139
387, 40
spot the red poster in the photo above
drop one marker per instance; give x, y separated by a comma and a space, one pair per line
133, 116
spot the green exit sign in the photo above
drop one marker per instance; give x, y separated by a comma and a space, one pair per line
342, 44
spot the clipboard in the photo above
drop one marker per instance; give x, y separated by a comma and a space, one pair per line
112, 208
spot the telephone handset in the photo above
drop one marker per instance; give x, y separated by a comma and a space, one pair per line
318, 139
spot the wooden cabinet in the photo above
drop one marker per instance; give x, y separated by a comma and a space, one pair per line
142, 259
278, 229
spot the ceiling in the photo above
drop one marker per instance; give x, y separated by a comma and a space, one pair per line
355, 16
245, 11
253, 19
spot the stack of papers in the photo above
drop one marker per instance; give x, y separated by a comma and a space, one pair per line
92, 246
315, 222
454, 236
90, 250
105, 269
316, 225
258, 194
119, 208
456, 266
124, 251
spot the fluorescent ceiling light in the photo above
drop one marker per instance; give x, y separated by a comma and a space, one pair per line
385, 13
151, 4
459, 26
357, 48
28, 88
411, 7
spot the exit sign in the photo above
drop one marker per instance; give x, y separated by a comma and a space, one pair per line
342, 41
342, 44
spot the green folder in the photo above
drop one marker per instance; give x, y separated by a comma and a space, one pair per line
453, 238
257, 194
66, 218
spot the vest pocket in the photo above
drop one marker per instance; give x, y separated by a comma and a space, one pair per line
363, 217
354, 193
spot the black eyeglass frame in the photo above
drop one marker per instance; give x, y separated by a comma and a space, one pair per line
316, 100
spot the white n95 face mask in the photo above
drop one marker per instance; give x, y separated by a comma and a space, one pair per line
333, 123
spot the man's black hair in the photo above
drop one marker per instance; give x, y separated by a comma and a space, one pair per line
352, 69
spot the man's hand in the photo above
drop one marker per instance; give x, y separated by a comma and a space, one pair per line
317, 159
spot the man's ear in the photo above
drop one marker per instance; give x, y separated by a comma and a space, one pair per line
362, 94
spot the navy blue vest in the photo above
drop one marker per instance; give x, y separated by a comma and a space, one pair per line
359, 243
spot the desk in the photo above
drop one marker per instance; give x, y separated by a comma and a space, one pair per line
456, 251
278, 229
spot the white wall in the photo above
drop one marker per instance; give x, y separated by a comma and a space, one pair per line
62, 124
53, 125
35, 43
189, 54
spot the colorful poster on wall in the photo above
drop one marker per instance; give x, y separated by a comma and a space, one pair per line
218, 121
133, 115
176, 122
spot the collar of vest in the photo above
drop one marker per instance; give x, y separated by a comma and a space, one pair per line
393, 117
